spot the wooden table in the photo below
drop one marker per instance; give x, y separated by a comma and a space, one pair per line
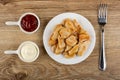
12, 68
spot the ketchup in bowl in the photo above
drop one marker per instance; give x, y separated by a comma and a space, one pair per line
29, 23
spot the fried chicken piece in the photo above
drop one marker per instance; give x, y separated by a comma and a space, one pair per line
69, 24
61, 43
66, 55
71, 41
68, 47
58, 50
74, 50
64, 32
84, 37
83, 47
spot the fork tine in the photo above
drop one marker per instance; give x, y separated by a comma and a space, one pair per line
106, 12
103, 11
100, 14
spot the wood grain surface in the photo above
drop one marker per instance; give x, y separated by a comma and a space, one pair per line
44, 68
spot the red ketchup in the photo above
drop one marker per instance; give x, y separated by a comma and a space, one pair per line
29, 23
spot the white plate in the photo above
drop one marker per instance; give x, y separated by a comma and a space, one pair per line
57, 20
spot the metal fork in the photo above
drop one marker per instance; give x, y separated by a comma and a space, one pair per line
102, 20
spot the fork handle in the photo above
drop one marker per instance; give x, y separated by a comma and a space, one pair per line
102, 64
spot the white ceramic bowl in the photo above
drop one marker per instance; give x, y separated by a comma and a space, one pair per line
19, 23
18, 51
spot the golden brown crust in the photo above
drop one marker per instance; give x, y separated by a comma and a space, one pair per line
74, 50
64, 32
61, 43
69, 39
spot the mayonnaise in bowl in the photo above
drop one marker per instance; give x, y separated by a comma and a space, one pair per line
28, 51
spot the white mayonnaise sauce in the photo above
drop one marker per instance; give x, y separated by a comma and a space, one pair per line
28, 51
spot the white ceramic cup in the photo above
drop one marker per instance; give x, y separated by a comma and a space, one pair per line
19, 23
18, 51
